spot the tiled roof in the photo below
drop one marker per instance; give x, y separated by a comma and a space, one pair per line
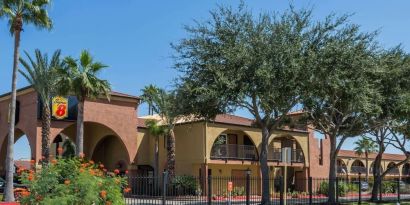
124, 95
386, 156
22, 164
233, 119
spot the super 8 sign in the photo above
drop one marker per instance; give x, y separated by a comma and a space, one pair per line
59, 107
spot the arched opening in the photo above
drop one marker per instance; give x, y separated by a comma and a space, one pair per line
358, 167
405, 170
395, 170
22, 152
234, 145
63, 146
279, 143
111, 152
341, 167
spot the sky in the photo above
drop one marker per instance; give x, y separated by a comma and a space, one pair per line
133, 37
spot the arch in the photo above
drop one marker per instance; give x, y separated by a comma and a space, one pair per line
341, 166
286, 141
405, 171
111, 151
94, 133
371, 168
395, 170
358, 167
18, 134
235, 145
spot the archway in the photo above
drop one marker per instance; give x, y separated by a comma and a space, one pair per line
358, 167
371, 168
62, 145
111, 152
405, 170
341, 167
234, 145
22, 152
395, 170
286, 141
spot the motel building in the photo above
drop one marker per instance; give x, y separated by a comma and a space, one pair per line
227, 146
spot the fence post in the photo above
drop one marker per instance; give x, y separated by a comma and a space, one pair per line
209, 189
310, 190
281, 185
248, 186
337, 190
398, 191
360, 188
164, 187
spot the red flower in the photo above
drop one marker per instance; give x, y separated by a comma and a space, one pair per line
81, 155
126, 171
103, 194
116, 171
67, 182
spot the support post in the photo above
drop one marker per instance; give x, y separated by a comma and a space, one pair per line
209, 189
310, 189
337, 189
360, 188
281, 190
398, 191
164, 187
248, 187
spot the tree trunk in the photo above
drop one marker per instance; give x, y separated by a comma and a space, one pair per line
367, 165
156, 158
80, 128
45, 134
377, 179
8, 191
332, 171
171, 153
263, 159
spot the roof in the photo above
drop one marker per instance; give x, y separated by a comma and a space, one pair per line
113, 93
386, 156
26, 164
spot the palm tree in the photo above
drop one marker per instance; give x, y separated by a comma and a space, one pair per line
80, 78
164, 103
155, 130
365, 146
41, 74
18, 13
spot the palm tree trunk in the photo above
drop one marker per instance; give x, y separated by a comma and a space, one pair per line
45, 133
8, 192
156, 158
171, 153
80, 128
367, 165
263, 159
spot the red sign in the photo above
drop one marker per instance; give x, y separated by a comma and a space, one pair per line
230, 186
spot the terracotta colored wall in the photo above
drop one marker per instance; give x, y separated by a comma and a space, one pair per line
316, 170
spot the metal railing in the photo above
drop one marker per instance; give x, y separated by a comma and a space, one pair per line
358, 169
394, 171
234, 151
341, 169
275, 154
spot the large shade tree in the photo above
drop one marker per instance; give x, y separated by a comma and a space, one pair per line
365, 146
340, 92
388, 126
79, 77
238, 61
41, 73
165, 104
19, 13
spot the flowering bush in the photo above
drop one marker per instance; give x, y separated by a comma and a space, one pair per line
73, 181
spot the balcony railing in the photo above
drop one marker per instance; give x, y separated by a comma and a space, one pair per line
394, 171
234, 151
275, 154
341, 169
358, 169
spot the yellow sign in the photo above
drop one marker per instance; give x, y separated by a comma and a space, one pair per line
59, 107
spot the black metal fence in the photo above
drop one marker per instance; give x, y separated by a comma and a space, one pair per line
247, 190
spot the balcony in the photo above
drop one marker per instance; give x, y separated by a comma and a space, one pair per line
234, 152
275, 154
358, 169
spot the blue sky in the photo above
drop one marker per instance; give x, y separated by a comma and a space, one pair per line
133, 37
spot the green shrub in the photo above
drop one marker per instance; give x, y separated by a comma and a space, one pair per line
72, 182
186, 184
389, 186
343, 188
238, 191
